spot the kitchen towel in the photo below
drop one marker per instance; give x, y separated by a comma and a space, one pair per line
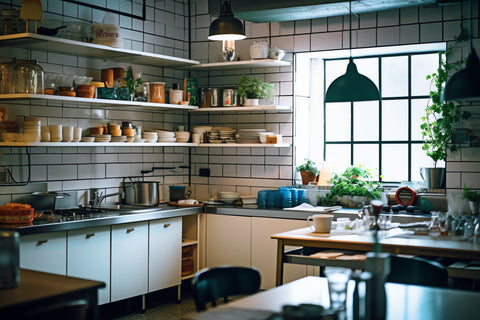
309, 208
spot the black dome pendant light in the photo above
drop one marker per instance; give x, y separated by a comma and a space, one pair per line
226, 26
352, 86
464, 85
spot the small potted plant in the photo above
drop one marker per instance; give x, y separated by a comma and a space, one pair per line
252, 89
308, 171
473, 198
134, 85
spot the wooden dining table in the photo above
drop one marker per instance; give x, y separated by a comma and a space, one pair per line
40, 291
406, 302
395, 241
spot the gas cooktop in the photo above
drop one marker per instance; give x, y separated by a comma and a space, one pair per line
74, 214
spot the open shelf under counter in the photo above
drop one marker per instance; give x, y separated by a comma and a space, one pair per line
189, 242
100, 102
243, 64
39, 42
96, 144
245, 145
271, 108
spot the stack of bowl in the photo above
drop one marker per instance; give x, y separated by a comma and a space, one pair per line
31, 129
182, 136
150, 136
166, 136
129, 132
228, 197
114, 130
45, 134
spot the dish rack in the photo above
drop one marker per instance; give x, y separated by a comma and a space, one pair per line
16, 213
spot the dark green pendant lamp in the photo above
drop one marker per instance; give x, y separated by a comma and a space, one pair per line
352, 86
226, 26
464, 85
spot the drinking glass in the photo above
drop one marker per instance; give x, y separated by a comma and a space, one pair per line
337, 286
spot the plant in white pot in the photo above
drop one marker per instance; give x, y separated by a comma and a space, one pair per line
252, 89
473, 198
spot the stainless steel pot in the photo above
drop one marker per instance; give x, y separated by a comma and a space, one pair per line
141, 193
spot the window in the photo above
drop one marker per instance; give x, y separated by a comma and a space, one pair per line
384, 135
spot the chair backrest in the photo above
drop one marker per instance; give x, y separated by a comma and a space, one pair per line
211, 284
417, 271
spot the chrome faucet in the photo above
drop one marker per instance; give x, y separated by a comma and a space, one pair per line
96, 198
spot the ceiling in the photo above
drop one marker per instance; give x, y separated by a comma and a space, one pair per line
287, 10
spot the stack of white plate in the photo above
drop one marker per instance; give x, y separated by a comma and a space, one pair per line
249, 135
182, 136
227, 133
150, 136
166, 136
102, 137
228, 197
119, 139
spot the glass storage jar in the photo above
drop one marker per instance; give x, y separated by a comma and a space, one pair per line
7, 72
29, 77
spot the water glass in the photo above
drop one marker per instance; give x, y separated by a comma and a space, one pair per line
262, 198
270, 199
337, 286
294, 193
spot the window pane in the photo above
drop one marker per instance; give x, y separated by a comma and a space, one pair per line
420, 159
338, 122
333, 70
366, 155
394, 120
369, 68
394, 162
418, 111
394, 76
423, 65
365, 121
338, 156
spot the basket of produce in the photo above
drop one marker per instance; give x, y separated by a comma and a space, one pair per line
16, 213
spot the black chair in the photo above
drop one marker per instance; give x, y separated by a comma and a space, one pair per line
417, 271
211, 284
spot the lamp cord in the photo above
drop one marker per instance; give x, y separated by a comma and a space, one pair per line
350, 26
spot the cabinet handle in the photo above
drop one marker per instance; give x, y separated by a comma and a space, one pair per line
166, 225
40, 242
130, 230
89, 235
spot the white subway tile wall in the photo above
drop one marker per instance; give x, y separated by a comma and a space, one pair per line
169, 30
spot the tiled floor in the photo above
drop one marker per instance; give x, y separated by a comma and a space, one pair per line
160, 306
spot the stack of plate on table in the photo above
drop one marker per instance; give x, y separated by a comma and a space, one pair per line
227, 134
150, 136
249, 135
119, 139
228, 197
166, 136
102, 137
182, 136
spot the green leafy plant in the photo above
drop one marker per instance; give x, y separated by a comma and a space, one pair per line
309, 166
131, 83
355, 181
440, 116
254, 88
470, 195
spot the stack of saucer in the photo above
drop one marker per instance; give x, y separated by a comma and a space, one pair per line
119, 138
150, 136
249, 135
166, 136
102, 137
227, 134
182, 136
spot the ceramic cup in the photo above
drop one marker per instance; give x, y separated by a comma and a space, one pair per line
321, 223
196, 137
67, 133
77, 134
176, 96
56, 133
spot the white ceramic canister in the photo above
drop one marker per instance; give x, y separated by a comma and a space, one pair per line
259, 50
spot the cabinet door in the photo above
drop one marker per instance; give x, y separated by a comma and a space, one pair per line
129, 260
264, 249
228, 240
88, 257
45, 252
165, 253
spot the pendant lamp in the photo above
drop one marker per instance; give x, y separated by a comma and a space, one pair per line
464, 85
226, 26
352, 86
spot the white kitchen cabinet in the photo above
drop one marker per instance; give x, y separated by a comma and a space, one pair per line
129, 269
264, 249
45, 252
228, 240
88, 257
165, 253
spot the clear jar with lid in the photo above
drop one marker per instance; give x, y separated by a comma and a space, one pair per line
7, 74
29, 77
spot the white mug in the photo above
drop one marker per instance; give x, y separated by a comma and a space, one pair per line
188, 201
320, 222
